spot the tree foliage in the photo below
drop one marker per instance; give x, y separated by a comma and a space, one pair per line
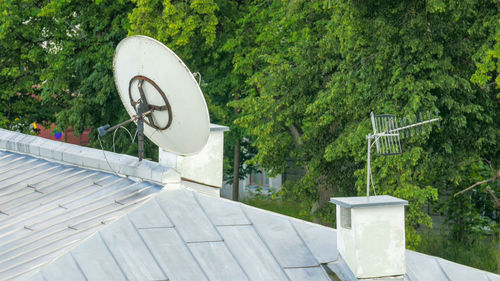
318, 77
202, 33
65, 53
295, 81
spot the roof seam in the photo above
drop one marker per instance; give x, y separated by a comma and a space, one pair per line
41, 246
442, 269
30, 184
78, 222
41, 274
207, 241
195, 196
34, 258
239, 224
61, 187
154, 227
15, 167
11, 161
114, 210
5, 156
303, 241
29, 242
101, 198
264, 242
23, 170
147, 247
77, 265
307, 266
73, 209
325, 274
181, 238
113, 256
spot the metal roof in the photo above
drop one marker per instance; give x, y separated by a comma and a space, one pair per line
47, 207
180, 234
71, 222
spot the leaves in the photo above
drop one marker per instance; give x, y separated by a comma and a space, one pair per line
295, 81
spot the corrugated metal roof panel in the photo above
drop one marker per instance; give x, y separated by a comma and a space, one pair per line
48, 207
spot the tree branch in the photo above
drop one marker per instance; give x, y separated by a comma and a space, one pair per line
493, 178
497, 202
474, 185
294, 133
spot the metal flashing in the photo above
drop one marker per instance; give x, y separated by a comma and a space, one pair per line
363, 201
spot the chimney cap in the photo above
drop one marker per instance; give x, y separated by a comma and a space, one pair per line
363, 201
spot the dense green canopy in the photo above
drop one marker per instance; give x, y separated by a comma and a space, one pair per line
296, 82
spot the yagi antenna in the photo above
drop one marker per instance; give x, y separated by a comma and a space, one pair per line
387, 132
161, 95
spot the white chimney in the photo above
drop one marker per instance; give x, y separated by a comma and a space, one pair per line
371, 235
204, 170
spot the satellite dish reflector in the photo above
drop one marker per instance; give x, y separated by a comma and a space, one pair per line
154, 83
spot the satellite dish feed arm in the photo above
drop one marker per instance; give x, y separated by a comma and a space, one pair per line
103, 130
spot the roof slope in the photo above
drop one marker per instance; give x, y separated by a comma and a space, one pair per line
184, 235
65, 222
47, 207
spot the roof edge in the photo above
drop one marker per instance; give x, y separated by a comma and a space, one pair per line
85, 157
217, 127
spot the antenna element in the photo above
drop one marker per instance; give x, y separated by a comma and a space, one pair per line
386, 136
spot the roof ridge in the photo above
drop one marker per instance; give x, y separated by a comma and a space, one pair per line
81, 156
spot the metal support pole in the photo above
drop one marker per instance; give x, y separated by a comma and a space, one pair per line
140, 122
368, 169
140, 130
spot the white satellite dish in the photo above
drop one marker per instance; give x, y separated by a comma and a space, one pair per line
156, 85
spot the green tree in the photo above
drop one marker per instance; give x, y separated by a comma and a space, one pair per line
202, 33
318, 79
62, 52
22, 59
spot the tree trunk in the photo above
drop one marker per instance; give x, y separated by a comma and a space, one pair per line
236, 171
498, 254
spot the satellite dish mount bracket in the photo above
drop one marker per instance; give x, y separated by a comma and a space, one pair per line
143, 101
